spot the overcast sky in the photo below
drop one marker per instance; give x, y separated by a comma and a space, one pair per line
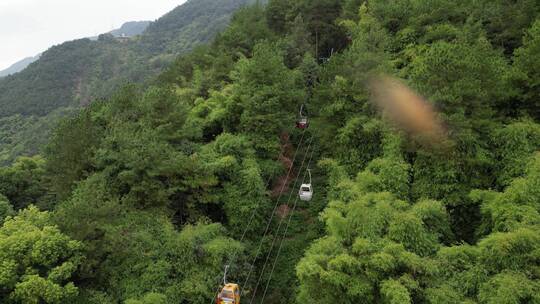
29, 27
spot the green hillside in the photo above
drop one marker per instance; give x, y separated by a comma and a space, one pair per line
75, 73
423, 150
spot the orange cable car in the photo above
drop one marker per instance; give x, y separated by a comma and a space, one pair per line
230, 294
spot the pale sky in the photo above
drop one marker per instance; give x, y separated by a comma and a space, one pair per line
29, 27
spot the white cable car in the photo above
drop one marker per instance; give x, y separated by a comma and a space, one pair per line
306, 190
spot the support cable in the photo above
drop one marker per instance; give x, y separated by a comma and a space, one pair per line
284, 234
272, 216
281, 222
233, 258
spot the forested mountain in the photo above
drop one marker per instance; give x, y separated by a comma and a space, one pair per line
77, 72
423, 150
128, 29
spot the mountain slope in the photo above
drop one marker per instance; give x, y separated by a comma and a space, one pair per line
172, 33
67, 73
19, 66
72, 74
128, 29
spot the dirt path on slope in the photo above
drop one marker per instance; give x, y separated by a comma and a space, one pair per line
287, 153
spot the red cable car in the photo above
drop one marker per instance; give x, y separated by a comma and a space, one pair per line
302, 122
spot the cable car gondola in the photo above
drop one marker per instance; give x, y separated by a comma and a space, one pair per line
302, 122
306, 190
230, 293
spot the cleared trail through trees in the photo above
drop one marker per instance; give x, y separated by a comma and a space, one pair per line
308, 149
285, 232
272, 217
232, 260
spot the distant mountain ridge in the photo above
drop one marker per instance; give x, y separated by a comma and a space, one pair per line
19, 66
130, 29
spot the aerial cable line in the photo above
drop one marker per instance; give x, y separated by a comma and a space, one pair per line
233, 257
286, 230
281, 222
272, 215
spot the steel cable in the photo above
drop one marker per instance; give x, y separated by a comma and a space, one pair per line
281, 222
285, 233
232, 259
272, 216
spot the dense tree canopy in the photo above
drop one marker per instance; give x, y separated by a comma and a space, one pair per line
147, 195
37, 260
